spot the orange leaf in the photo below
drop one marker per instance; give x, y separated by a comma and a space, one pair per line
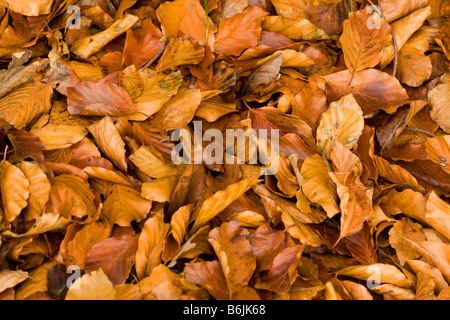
239, 32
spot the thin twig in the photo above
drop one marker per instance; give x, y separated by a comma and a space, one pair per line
420, 130
394, 40
158, 54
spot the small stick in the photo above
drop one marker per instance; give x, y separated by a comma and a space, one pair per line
421, 131
394, 41
158, 54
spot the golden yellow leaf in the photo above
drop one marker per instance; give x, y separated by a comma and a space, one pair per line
187, 16
378, 272
425, 287
342, 122
87, 46
124, 204
178, 111
295, 29
405, 229
296, 59
164, 284
317, 185
109, 141
212, 109
439, 99
219, 201
357, 291
407, 202
302, 231
438, 214
395, 292
436, 253
159, 190
62, 129
148, 254
419, 266
438, 150
32, 9
396, 174
10, 278
70, 196
108, 175
39, 189
178, 225
86, 71
26, 103
92, 286
180, 52
400, 8
158, 89
37, 282
15, 191
290, 8
44, 223
152, 163
414, 67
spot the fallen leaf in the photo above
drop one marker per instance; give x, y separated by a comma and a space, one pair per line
99, 98
148, 254
405, 229
239, 32
92, 286
342, 122
109, 141
124, 204
368, 88
233, 253
317, 185
362, 45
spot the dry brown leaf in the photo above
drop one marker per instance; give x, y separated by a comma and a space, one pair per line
233, 250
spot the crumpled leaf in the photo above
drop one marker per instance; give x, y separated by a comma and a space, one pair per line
233, 249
